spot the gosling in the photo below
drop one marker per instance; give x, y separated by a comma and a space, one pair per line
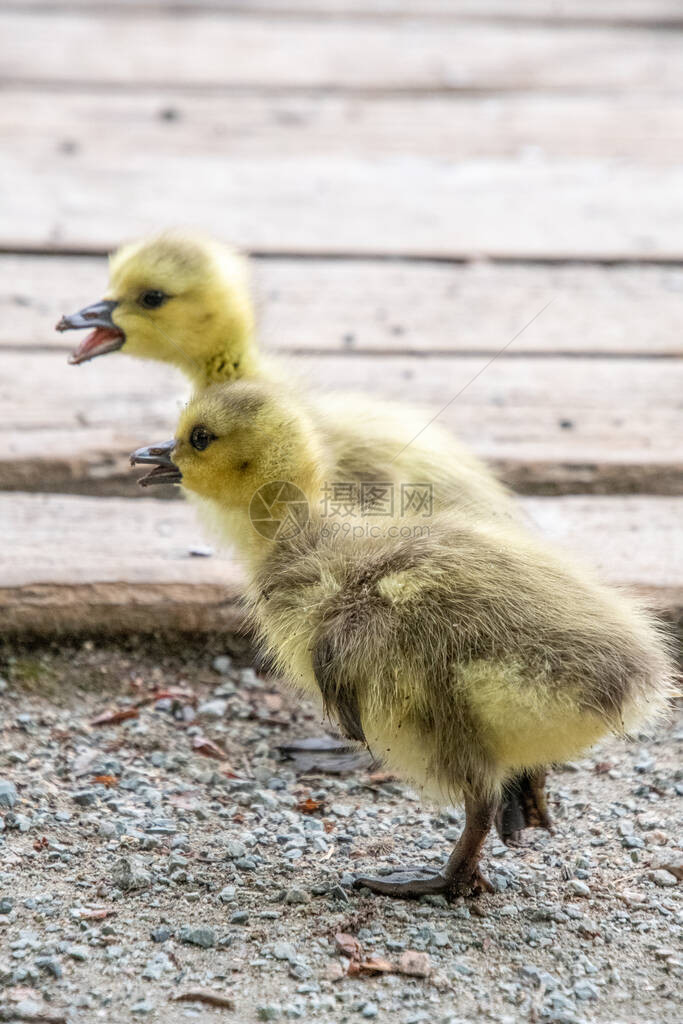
462, 657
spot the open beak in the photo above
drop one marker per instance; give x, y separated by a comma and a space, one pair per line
159, 456
106, 336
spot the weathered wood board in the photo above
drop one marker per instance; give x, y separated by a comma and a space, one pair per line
352, 306
206, 49
93, 565
394, 206
551, 425
657, 12
526, 127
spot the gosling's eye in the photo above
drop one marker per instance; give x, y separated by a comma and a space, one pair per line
201, 438
152, 299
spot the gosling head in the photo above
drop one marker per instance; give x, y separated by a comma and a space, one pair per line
177, 298
232, 441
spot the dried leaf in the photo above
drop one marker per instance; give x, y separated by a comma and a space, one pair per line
373, 965
602, 767
378, 777
40, 844
96, 914
172, 693
17, 993
185, 801
414, 964
106, 780
201, 995
114, 717
309, 805
205, 746
348, 945
273, 701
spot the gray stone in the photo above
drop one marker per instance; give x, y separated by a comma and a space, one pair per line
202, 936
295, 896
585, 990
49, 965
156, 967
84, 797
578, 888
268, 1012
28, 1009
130, 874
6, 905
80, 953
212, 709
284, 951
8, 794
161, 934
143, 1007
663, 878
235, 849
222, 664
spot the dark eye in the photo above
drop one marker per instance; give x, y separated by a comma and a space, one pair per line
152, 299
201, 438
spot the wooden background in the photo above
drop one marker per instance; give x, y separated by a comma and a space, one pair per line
414, 188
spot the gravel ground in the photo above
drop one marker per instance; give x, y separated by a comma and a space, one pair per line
136, 868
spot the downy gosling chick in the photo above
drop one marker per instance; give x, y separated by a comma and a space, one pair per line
461, 656
185, 300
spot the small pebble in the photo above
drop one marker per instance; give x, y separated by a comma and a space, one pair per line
578, 888
284, 951
8, 794
222, 664
202, 936
295, 896
663, 878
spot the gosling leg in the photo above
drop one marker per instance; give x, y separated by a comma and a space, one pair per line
459, 876
524, 805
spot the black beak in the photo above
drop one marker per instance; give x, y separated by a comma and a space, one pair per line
159, 456
106, 336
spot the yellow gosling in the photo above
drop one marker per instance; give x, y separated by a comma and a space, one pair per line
462, 656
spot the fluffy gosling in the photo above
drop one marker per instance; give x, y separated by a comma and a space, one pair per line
462, 656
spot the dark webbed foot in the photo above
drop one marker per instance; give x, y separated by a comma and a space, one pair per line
524, 805
413, 882
406, 883
460, 876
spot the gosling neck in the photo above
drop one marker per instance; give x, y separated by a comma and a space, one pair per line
257, 542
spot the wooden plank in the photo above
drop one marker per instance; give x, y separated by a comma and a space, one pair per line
520, 127
207, 49
551, 425
658, 12
315, 205
365, 306
108, 566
